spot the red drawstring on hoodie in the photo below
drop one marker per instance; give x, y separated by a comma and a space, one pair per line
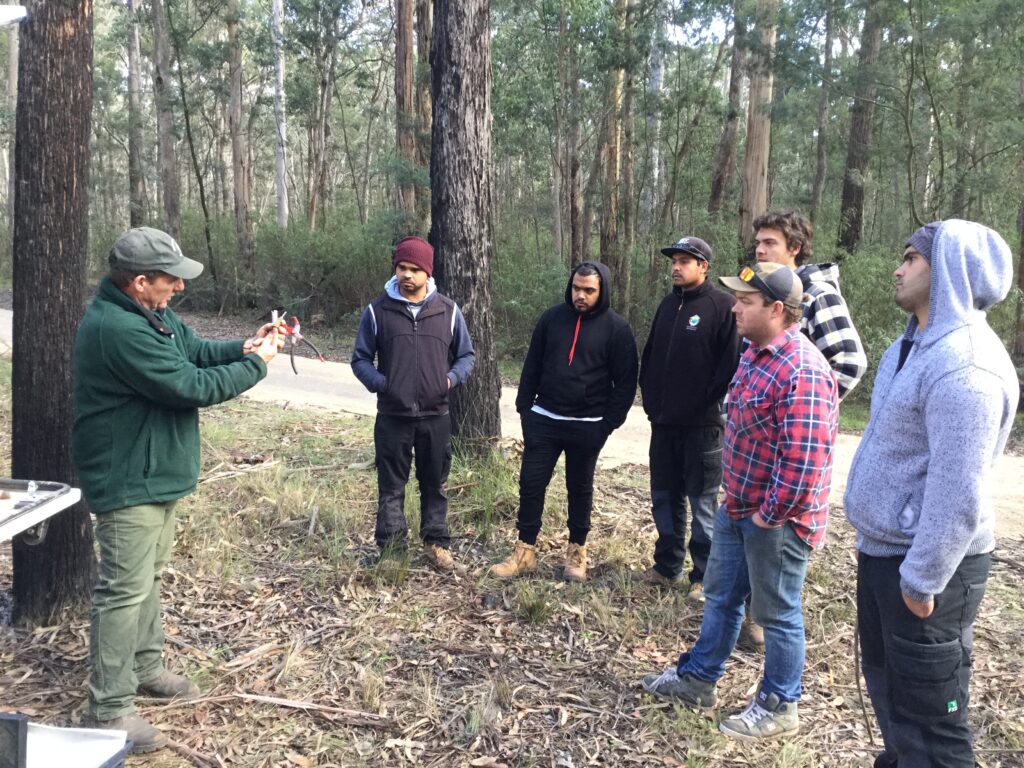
576, 335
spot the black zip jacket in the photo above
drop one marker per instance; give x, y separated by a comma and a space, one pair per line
690, 357
600, 380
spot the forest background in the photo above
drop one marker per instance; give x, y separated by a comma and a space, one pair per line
287, 144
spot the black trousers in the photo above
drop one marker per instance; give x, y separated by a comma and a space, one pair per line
918, 670
686, 466
395, 440
544, 440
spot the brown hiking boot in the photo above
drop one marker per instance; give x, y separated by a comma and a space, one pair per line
652, 576
751, 635
439, 557
522, 560
143, 736
168, 685
696, 593
575, 563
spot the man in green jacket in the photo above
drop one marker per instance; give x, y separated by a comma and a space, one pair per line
140, 377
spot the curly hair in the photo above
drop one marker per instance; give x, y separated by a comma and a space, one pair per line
797, 230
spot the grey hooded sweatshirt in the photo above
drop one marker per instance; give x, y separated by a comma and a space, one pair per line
920, 483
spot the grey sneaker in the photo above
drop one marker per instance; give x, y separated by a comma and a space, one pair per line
766, 717
143, 736
687, 689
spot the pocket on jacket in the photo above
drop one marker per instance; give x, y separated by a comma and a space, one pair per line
925, 679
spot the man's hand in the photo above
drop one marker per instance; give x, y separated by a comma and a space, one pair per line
760, 521
249, 345
920, 608
268, 346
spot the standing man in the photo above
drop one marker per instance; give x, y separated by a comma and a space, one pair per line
140, 377
919, 492
422, 347
687, 363
784, 237
577, 385
782, 419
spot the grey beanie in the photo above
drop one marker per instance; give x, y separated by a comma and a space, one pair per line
921, 241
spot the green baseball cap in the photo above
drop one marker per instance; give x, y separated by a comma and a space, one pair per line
150, 250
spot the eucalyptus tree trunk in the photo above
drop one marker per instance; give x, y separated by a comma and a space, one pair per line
574, 179
649, 200
824, 104
424, 31
462, 213
611, 244
759, 123
724, 165
239, 159
961, 192
12, 105
280, 118
51, 230
858, 148
166, 152
136, 173
405, 115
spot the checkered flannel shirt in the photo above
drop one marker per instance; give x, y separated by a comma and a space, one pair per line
783, 414
826, 321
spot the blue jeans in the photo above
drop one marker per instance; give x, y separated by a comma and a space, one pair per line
769, 565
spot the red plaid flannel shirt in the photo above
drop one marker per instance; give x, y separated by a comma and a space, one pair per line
782, 419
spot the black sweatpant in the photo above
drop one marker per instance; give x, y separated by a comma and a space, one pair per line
396, 439
544, 440
918, 670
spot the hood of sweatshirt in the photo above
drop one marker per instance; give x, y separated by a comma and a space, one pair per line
391, 289
604, 301
819, 273
972, 270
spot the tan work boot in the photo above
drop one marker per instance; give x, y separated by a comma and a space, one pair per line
522, 560
439, 557
575, 563
751, 635
168, 685
143, 736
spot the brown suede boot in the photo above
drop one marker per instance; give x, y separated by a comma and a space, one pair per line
522, 560
575, 563
143, 736
751, 636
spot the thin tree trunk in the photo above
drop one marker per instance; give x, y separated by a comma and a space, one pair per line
611, 247
424, 31
136, 174
573, 181
653, 187
858, 150
462, 213
824, 104
12, 105
239, 160
724, 165
280, 118
961, 192
51, 229
759, 124
405, 115
623, 282
166, 152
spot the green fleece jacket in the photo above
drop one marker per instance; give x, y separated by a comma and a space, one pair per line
138, 387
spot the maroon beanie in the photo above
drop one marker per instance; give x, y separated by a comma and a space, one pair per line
415, 250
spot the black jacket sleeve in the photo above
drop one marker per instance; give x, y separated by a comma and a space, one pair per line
624, 372
529, 379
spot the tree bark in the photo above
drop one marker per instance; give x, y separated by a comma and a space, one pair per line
961, 192
280, 118
424, 105
166, 153
759, 123
12, 105
858, 150
653, 187
724, 165
461, 203
611, 245
405, 116
50, 253
573, 180
239, 159
136, 175
824, 104
623, 282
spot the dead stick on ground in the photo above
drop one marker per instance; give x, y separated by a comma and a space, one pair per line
366, 718
197, 759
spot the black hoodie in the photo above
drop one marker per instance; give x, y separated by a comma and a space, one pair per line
601, 378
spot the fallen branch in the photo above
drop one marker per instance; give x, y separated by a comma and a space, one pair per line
350, 716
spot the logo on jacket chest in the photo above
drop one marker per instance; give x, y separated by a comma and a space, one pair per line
693, 322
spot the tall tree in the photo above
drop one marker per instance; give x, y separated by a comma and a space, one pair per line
461, 202
424, 106
239, 157
50, 249
612, 252
824, 109
280, 117
405, 113
136, 173
12, 105
759, 123
724, 165
858, 148
167, 157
